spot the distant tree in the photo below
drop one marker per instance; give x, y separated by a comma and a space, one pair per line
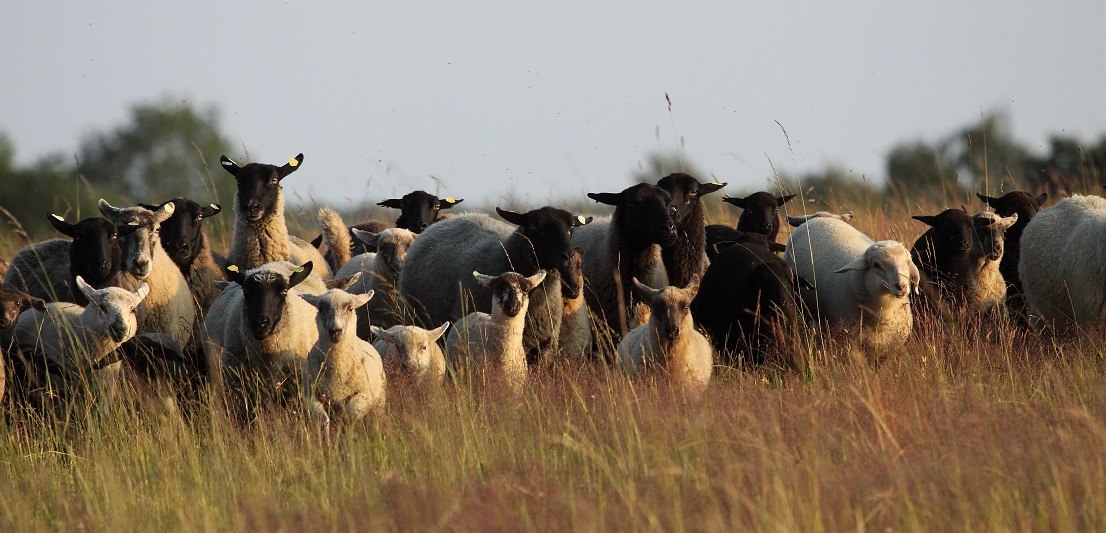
986, 152
833, 188
918, 169
49, 185
165, 149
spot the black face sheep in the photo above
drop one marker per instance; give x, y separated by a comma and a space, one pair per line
860, 286
417, 211
411, 353
746, 302
625, 246
1062, 263
183, 239
436, 279
668, 343
260, 230
47, 269
492, 343
576, 332
760, 212
1026, 207
687, 256
380, 273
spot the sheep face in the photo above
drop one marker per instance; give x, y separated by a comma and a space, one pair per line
646, 210
114, 309
549, 231
337, 314
419, 209
95, 251
990, 230
572, 275
887, 266
182, 233
138, 246
412, 352
686, 193
13, 302
391, 245
259, 186
953, 231
799, 220
760, 212
510, 290
1016, 202
669, 307
266, 295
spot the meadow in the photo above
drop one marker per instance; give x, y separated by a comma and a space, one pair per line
967, 426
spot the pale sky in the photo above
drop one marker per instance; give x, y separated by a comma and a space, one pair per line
551, 100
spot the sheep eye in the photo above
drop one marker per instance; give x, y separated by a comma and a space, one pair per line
877, 266
273, 181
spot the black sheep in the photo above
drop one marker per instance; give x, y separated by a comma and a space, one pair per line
946, 258
1025, 206
48, 269
760, 212
687, 257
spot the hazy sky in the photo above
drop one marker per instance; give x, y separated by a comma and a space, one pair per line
551, 100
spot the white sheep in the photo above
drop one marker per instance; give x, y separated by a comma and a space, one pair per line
412, 353
344, 374
668, 344
860, 285
492, 344
1063, 262
988, 294
380, 273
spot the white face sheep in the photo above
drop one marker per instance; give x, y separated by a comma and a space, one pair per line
183, 239
668, 343
492, 344
1025, 207
412, 353
344, 374
381, 272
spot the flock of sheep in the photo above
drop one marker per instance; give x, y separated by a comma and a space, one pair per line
138, 298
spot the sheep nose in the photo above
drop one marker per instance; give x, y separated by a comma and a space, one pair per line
903, 288
263, 323
674, 333
118, 332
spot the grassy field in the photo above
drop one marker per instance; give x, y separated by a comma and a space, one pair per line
967, 427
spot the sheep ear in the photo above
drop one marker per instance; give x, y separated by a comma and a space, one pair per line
229, 165
366, 237
985, 199
1044, 198
536, 279
721, 246
165, 212
449, 201
312, 299
235, 274
803, 283
929, 220
1005, 222
847, 216
580, 220
394, 203
707, 188
517, 219
380, 333
437, 332
692, 287
780, 200
642, 290
299, 274
915, 278
37, 303
483, 279
291, 166
858, 264
608, 198
107, 209
739, 202
362, 299
142, 291
61, 225
85, 288
342, 283
210, 210
317, 242
797, 221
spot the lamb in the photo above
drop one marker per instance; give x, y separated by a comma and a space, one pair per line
1062, 264
434, 283
796, 221
1026, 207
380, 273
14, 302
624, 246
260, 230
169, 307
344, 374
73, 340
411, 353
860, 285
687, 256
988, 294
576, 333
47, 269
183, 239
668, 343
746, 302
760, 212
492, 345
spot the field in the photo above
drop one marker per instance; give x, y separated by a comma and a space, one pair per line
968, 426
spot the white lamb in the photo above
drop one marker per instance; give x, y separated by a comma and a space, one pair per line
380, 273
1063, 262
988, 293
860, 285
412, 353
492, 344
344, 374
668, 344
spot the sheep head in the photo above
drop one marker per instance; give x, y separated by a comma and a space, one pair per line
265, 291
259, 193
886, 266
549, 231
670, 307
95, 251
419, 209
182, 233
686, 193
760, 212
572, 275
144, 236
113, 309
643, 214
337, 313
411, 346
391, 245
510, 290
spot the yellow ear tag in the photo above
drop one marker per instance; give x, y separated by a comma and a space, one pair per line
450, 199
581, 219
233, 268
293, 162
297, 269
132, 223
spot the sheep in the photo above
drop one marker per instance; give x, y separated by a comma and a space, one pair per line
760, 212
860, 285
796, 221
668, 343
411, 353
183, 239
73, 340
47, 269
417, 211
624, 246
958, 258
687, 256
746, 301
381, 272
1062, 264
435, 284
337, 236
260, 230
12, 303
344, 374
1026, 207
492, 344
576, 331
719, 238
169, 307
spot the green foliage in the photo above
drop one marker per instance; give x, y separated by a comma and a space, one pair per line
918, 169
27, 195
987, 153
834, 188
